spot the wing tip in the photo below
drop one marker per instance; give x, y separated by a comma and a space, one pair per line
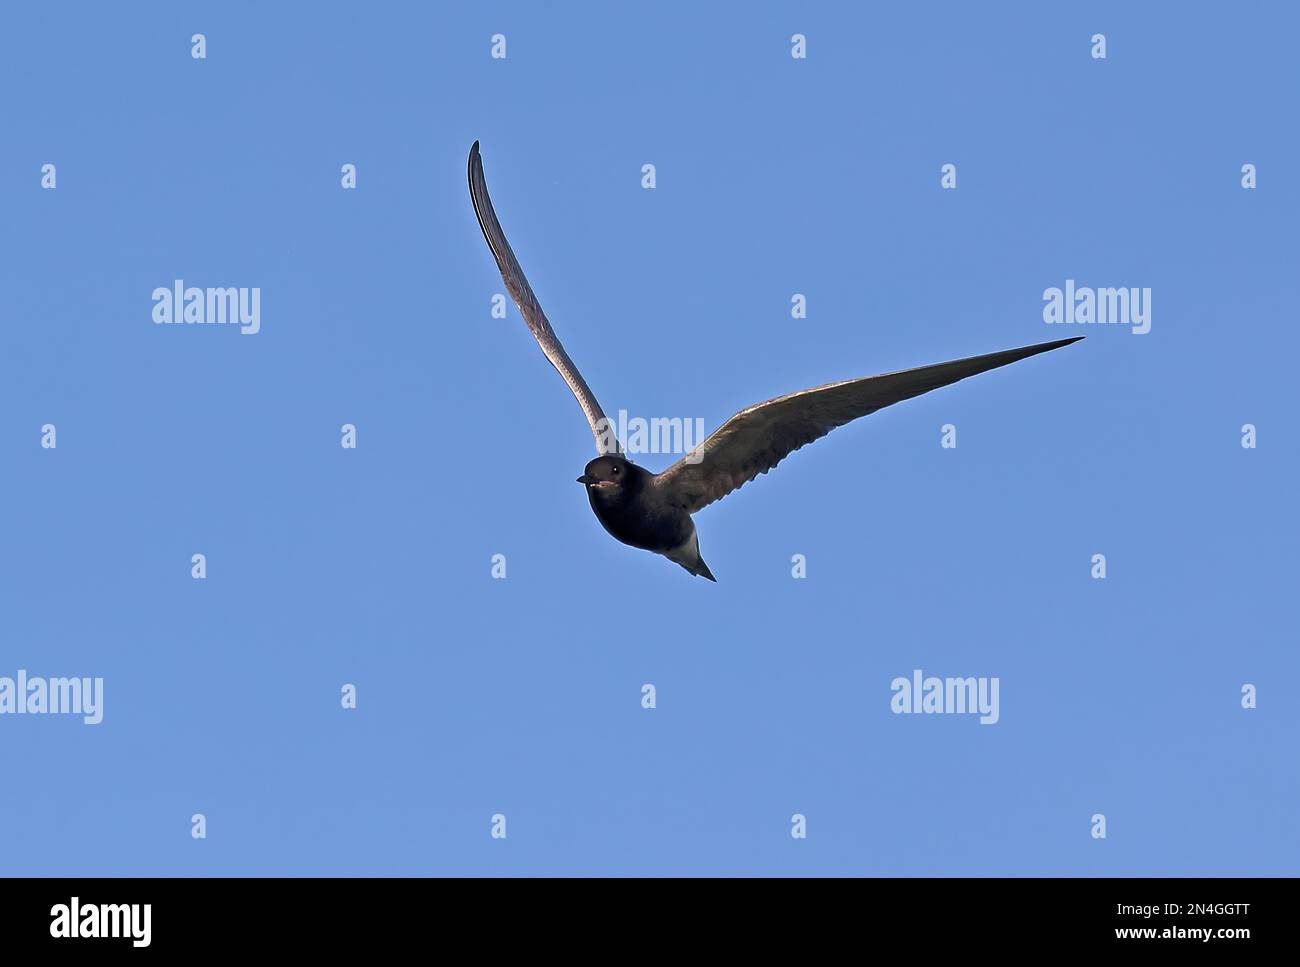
1047, 347
477, 188
1025, 352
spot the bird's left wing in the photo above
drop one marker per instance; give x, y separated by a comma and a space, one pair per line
529, 308
758, 438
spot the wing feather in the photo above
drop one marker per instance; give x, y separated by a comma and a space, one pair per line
758, 438
519, 289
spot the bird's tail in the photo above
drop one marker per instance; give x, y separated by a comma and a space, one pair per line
688, 556
702, 570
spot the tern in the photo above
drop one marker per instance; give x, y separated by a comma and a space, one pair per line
653, 511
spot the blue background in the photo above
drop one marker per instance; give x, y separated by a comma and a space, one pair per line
775, 176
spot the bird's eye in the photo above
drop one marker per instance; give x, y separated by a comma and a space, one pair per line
615, 470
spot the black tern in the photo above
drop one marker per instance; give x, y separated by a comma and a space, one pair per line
653, 511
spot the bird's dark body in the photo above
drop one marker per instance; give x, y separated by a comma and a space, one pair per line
634, 509
633, 516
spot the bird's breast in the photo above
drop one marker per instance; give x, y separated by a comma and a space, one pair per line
641, 523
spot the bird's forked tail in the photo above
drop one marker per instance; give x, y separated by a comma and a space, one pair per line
688, 556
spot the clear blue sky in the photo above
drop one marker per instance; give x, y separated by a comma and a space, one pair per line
522, 697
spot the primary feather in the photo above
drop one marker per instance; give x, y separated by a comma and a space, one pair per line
758, 438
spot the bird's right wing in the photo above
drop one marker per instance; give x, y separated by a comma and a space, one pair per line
758, 438
529, 308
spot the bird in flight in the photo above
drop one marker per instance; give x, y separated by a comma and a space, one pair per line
653, 511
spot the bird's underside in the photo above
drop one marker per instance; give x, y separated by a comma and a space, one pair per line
750, 443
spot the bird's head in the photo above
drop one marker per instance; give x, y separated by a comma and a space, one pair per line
608, 475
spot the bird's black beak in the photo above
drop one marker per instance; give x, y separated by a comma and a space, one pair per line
584, 479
